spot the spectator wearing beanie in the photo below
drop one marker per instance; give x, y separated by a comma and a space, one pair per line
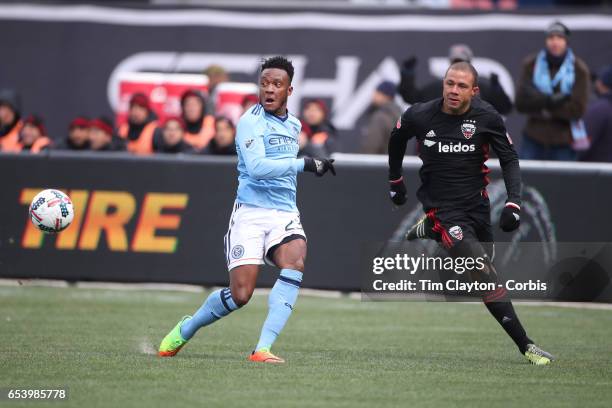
224, 142
216, 75
10, 120
138, 131
199, 126
318, 136
32, 137
170, 137
382, 117
598, 120
78, 135
553, 92
102, 138
489, 88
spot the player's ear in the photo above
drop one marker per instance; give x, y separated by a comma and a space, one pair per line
475, 90
290, 90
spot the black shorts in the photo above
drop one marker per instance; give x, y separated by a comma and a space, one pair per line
464, 229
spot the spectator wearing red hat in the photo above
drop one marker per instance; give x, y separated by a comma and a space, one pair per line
224, 142
199, 126
138, 132
318, 135
101, 137
32, 137
78, 135
170, 138
10, 120
248, 101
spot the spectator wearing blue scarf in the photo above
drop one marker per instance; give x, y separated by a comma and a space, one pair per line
553, 92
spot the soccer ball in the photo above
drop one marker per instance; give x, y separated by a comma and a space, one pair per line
51, 211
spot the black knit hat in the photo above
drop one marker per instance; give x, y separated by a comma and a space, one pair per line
10, 98
558, 28
605, 76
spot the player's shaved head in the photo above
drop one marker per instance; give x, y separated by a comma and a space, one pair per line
464, 67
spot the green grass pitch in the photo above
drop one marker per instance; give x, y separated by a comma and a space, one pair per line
340, 353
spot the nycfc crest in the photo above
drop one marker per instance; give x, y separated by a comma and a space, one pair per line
468, 128
237, 251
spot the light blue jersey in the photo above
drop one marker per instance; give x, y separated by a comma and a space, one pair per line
267, 148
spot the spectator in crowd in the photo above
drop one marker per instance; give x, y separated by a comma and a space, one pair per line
318, 135
32, 137
598, 120
170, 138
553, 91
138, 131
248, 101
490, 89
10, 119
102, 138
382, 117
200, 127
224, 142
216, 74
78, 135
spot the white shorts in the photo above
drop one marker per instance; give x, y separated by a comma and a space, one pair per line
253, 231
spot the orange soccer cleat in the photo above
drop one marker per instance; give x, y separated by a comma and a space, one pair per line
264, 356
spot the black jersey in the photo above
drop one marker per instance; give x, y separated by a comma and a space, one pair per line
454, 149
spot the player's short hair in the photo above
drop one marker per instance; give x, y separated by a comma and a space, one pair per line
465, 67
279, 62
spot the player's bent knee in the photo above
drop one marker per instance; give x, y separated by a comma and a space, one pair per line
291, 255
296, 264
242, 295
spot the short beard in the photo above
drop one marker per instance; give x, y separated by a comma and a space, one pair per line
461, 109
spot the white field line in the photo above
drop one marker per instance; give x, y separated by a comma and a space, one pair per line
328, 294
145, 346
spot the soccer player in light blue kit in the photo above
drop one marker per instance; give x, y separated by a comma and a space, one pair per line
265, 222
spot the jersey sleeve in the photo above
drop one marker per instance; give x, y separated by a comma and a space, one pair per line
401, 133
250, 139
501, 143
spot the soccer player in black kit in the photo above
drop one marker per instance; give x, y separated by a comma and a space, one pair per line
453, 135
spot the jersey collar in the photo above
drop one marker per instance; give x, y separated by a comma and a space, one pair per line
281, 118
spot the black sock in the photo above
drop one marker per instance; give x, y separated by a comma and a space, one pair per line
501, 308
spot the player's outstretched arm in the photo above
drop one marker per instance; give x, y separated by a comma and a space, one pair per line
397, 149
501, 142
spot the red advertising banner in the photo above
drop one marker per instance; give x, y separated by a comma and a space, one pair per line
164, 91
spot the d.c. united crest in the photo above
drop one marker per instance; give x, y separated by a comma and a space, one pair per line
468, 129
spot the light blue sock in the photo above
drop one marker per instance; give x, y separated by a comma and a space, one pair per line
280, 305
218, 304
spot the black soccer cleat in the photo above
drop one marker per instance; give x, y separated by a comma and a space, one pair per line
423, 229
